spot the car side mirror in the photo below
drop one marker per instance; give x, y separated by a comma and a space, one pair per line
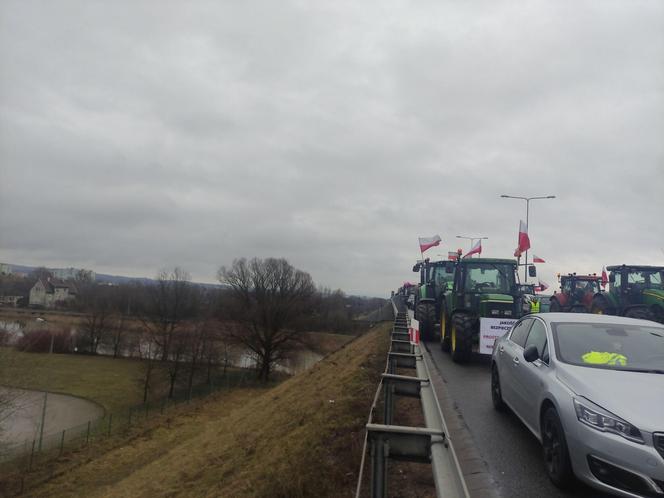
532, 271
531, 354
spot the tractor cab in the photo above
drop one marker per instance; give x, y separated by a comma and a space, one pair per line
576, 293
487, 286
634, 291
436, 278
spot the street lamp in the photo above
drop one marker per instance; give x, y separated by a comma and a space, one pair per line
527, 199
472, 239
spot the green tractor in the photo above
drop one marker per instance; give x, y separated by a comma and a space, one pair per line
483, 289
634, 291
435, 280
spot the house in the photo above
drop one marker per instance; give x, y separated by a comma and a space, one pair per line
51, 292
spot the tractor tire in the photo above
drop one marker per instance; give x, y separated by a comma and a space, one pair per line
555, 307
426, 315
600, 306
445, 343
463, 330
578, 308
640, 313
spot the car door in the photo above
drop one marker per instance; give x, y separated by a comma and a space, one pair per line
530, 377
508, 351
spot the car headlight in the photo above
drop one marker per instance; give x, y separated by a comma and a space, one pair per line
597, 418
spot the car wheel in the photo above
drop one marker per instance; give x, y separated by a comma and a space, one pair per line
556, 455
496, 393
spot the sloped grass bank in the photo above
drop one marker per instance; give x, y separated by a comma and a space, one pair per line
302, 438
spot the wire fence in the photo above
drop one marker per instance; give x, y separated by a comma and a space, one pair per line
20, 464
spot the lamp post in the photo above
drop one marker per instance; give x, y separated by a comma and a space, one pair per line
472, 239
527, 199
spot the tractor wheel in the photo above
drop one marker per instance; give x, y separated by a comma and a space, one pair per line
463, 329
640, 313
600, 306
444, 333
554, 307
426, 314
578, 308
658, 311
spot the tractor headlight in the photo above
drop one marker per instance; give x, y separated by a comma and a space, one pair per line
592, 415
495, 312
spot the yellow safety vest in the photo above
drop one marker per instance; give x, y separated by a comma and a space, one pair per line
534, 306
597, 358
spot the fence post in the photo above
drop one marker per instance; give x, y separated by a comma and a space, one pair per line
62, 442
87, 436
110, 420
32, 453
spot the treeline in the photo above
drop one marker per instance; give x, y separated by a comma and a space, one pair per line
262, 309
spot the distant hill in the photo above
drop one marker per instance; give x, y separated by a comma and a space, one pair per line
110, 279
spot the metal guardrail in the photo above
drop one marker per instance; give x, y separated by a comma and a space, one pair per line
387, 442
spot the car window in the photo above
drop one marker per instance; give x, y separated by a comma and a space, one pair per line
537, 337
520, 331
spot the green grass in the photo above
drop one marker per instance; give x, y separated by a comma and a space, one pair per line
300, 438
113, 383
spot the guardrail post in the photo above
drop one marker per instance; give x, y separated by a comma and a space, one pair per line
379, 453
62, 442
388, 414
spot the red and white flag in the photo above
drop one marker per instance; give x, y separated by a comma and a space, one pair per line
605, 277
543, 286
429, 242
476, 249
537, 259
524, 241
452, 255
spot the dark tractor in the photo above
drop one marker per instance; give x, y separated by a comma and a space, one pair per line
435, 279
634, 291
482, 288
576, 293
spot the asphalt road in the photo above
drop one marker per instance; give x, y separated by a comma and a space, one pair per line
513, 454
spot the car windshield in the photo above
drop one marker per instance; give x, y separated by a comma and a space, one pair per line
610, 346
489, 277
526, 289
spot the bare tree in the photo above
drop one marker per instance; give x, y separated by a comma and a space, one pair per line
170, 301
268, 297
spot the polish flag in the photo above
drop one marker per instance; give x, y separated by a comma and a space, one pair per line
605, 277
429, 242
543, 286
524, 241
476, 249
452, 255
537, 259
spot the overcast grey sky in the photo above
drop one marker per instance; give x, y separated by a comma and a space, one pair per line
136, 136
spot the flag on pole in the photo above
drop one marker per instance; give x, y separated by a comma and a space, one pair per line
524, 241
476, 249
429, 242
452, 255
537, 259
543, 286
605, 277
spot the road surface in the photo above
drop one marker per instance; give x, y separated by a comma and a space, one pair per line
512, 453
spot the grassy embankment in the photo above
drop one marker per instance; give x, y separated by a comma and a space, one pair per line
300, 438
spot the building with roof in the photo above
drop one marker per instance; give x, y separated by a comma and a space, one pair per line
49, 293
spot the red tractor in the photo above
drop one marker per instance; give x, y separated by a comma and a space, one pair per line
576, 293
